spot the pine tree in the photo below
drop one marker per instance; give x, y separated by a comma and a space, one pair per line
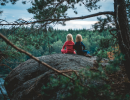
123, 31
56, 9
104, 23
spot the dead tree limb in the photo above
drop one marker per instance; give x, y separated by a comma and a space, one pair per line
31, 56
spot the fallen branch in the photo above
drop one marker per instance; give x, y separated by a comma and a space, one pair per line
31, 56
66, 71
43, 63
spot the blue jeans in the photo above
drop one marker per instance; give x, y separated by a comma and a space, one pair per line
86, 51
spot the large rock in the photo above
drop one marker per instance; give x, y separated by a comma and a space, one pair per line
26, 80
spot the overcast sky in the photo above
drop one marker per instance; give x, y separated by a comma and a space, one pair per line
19, 10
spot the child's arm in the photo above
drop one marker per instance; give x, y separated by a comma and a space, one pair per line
83, 45
64, 45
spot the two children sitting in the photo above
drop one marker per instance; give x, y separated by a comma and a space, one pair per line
70, 46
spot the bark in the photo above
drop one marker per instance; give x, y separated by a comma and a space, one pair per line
123, 33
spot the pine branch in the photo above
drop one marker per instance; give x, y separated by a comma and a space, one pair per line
112, 33
66, 19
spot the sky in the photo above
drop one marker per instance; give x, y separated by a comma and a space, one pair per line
19, 10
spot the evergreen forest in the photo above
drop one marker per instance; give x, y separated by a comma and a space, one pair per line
108, 39
47, 43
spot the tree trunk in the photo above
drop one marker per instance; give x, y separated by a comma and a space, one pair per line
123, 32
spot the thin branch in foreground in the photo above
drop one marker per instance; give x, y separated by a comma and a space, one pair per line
66, 19
31, 56
6, 66
112, 33
11, 62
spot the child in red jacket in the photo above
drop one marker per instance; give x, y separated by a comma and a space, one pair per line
69, 45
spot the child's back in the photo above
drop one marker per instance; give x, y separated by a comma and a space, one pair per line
69, 45
79, 46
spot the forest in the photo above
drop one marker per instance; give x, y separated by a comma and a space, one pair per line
50, 42
110, 35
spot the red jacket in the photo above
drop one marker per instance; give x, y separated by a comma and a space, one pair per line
69, 46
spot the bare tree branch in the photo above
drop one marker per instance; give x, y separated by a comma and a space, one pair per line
6, 66
10, 62
66, 19
23, 51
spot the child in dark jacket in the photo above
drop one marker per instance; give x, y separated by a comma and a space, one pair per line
80, 47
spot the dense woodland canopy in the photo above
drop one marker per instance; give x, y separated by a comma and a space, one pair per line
49, 43
41, 39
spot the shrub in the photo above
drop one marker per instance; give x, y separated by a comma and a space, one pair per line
88, 85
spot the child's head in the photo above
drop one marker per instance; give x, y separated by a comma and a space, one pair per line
69, 37
78, 38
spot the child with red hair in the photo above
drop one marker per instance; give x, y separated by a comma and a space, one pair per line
69, 45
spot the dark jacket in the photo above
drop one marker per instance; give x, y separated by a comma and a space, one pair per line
79, 46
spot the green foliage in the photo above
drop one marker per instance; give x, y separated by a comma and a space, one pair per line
4, 2
104, 43
40, 43
88, 85
114, 65
57, 46
104, 23
73, 90
101, 53
46, 9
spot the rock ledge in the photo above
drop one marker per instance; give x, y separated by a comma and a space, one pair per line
19, 82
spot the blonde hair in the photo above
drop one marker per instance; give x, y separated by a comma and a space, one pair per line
78, 38
69, 37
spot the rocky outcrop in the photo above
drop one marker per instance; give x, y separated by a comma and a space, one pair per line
25, 81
